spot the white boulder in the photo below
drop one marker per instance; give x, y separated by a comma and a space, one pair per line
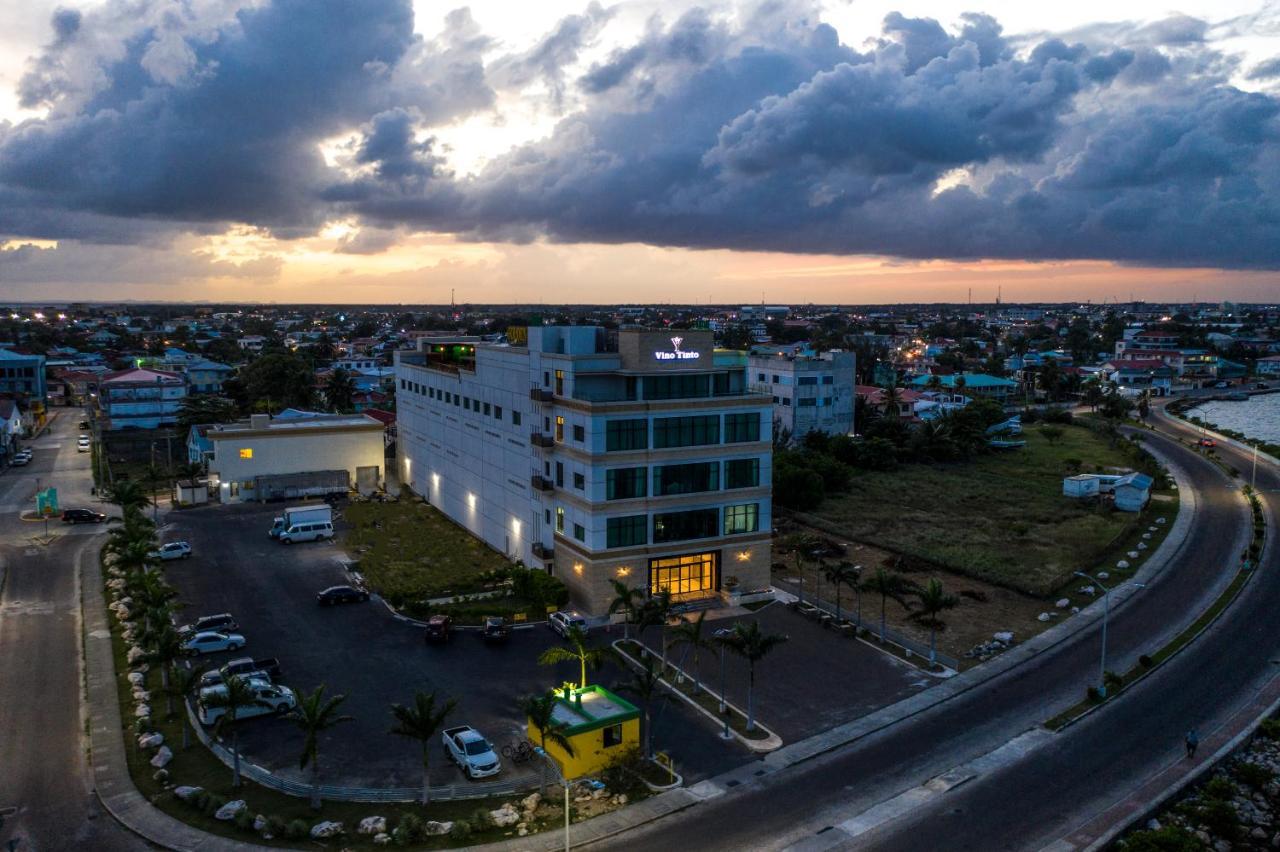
1063, 603
1142, 545
137, 677
162, 757
1003, 636
1122, 564
381, 839
1044, 616
142, 711
531, 801
259, 822
372, 825
327, 828
1087, 590
151, 740
1146, 535
135, 655
1160, 520
1133, 554
1074, 610
1104, 575
186, 793
230, 810
504, 816
434, 828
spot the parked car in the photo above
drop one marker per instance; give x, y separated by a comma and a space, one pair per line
268, 698
1222, 384
223, 622
82, 444
210, 642
172, 550
1262, 386
562, 622
495, 629
21, 458
1207, 442
82, 516
267, 669
439, 628
316, 531
340, 595
471, 751
83, 424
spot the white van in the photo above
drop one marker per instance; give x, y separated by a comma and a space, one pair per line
268, 698
309, 531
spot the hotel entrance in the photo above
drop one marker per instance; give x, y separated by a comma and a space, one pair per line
694, 575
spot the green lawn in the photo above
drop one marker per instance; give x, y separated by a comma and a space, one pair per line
1000, 517
409, 551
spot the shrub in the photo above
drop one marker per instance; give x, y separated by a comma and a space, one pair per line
623, 774
244, 820
461, 830
1093, 695
481, 819
407, 830
1219, 788
215, 802
1145, 661
200, 801
1255, 775
297, 830
276, 826
1219, 817
1169, 838
1269, 729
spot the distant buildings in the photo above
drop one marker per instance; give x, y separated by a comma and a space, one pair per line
140, 398
972, 384
641, 457
810, 393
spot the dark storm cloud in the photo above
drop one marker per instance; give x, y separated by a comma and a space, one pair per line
755, 130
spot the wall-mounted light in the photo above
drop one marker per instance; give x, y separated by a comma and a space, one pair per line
246, 452
744, 555
515, 526
471, 501
624, 571
577, 567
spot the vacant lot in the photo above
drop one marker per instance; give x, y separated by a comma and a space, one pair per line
1000, 518
408, 551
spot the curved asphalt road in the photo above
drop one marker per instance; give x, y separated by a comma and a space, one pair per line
1081, 771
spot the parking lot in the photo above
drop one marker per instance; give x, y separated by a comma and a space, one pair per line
360, 650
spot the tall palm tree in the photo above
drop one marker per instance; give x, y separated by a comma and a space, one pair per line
136, 556
165, 650
644, 686
690, 635
753, 645
934, 600
314, 715
842, 574
127, 494
182, 682
421, 721
237, 695
800, 544
578, 652
887, 584
627, 601
541, 710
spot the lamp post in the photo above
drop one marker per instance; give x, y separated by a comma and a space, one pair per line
555, 767
724, 707
1106, 614
1253, 479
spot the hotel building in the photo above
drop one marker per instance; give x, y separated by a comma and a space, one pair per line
634, 455
810, 392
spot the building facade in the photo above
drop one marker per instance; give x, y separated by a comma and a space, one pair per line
810, 393
639, 456
141, 398
22, 378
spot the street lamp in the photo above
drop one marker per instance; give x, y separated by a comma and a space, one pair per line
724, 708
555, 767
1106, 613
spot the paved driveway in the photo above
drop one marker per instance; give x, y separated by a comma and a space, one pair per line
361, 651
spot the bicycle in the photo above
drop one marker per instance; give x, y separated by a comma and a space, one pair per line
518, 751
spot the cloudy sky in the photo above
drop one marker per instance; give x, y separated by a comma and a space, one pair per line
391, 151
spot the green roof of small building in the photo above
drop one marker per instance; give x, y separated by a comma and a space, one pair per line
589, 708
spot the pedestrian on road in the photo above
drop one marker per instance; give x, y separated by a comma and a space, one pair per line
1193, 742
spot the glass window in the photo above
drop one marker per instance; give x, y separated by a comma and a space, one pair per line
626, 435
515, 418
828, 380
559, 382
579, 481
807, 380
739, 428
628, 531
682, 526
559, 428
560, 474
625, 483
686, 478
679, 386
612, 736
686, 431
497, 412
579, 433
742, 519
579, 533
742, 473
689, 576
560, 519
486, 409
807, 403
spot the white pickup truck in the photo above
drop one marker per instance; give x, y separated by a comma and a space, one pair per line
471, 751
267, 698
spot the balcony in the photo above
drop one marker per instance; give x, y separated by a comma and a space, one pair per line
541, 439
541, 483
543, 552
541, 395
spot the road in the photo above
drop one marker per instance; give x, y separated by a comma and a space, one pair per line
45, 774
1030, 802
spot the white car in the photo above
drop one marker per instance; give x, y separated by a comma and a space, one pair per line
268, 698
172, 550
82, 444
22, 458
210, 642
471, 751
562, 622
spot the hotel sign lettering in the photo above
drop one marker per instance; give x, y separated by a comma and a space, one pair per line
676, 353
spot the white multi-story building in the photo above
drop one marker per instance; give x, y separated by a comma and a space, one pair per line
810, 392
639, 456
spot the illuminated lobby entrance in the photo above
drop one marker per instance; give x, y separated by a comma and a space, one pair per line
694, 575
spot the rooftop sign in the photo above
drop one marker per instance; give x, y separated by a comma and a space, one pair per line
676, 353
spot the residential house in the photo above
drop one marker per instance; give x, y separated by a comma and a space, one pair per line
974, 384
11, 429
140, 398
199, 447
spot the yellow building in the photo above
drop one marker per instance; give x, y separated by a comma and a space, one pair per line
598, 725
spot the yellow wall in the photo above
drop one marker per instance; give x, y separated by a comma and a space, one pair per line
589, 754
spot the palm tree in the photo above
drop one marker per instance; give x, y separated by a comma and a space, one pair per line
800, 544
136, 556
626, 601
182, 682
541, 710
842, 574
578, 652
644, 686
236, 695
166, 649
888, 585
127, 494
690, 635
314, 715
748, 642
422, 722
934, 600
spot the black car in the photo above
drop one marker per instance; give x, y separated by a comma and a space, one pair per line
82, 516
341, 595
495, 629
438, 629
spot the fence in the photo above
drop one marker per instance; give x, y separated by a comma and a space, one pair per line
446, 793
